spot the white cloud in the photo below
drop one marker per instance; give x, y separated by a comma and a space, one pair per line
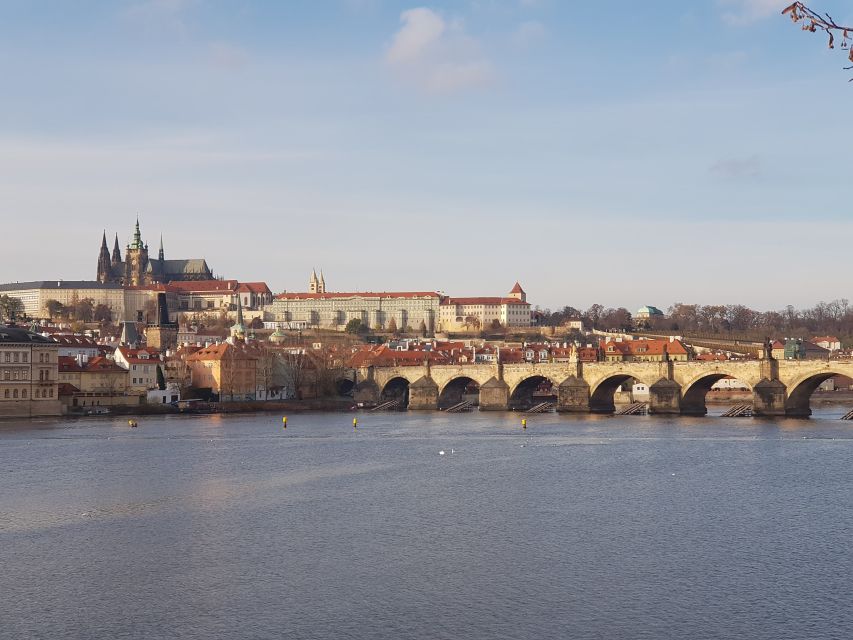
435, 55
742, 12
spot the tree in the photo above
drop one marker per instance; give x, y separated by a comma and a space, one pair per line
54, 308
472, 322
355, 326
593, 315
423, 329
392, 326
84, 310
161, 379
10, 308
102, 313
813, 21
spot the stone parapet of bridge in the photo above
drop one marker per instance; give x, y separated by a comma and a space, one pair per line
779, 387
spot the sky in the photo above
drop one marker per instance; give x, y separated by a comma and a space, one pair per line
614, 152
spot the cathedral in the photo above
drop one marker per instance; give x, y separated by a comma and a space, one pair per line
138, 269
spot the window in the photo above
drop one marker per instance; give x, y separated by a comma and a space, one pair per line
51, 392
17, 357
15, 393
8, 357
26, 357
6, 375
24, 393
6, 393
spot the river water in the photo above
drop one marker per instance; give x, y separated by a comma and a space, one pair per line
580, 527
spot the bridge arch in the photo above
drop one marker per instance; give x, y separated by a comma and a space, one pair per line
454, 391
800, 390
694, 392
522, 394
395, 388
344, 386
601, 395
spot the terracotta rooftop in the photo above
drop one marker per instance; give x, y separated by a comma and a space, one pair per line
358, 294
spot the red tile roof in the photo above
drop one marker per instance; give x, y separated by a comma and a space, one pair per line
517, 288
189, 286
483, 301
644, 347
254, 287
357, 294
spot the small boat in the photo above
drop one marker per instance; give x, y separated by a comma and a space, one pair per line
132, 424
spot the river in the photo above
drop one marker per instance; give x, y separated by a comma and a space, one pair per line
579, 527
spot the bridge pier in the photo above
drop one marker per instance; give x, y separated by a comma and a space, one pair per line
494, 395
665, 397
768, 398
573, 395
423, 395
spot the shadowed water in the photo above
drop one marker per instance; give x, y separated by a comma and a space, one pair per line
580, 527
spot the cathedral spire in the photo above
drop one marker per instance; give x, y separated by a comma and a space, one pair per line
116, 253
104, 260
137, 237
161, 255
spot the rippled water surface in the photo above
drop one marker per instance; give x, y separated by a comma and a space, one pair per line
580, 527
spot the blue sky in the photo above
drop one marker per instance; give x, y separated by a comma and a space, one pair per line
616, 152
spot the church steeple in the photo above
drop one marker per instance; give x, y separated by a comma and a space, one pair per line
137, 238
161, 256
116, 253
104, 260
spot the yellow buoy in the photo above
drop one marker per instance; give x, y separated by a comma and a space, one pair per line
355, 423
284, 422
524, 423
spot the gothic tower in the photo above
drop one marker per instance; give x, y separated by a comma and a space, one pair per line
135, 260
322, 287
116, 261
104, 265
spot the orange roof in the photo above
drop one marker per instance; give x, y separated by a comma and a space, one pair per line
645, 347
483, 301
182, 286
517, 288
103, 364
358, 294
254, 287
217, 352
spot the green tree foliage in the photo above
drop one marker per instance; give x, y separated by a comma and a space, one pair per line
392, 326
355, 326
161, 379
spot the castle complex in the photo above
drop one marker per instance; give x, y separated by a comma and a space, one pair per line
138, 269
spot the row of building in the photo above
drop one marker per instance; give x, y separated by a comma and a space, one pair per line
129, 284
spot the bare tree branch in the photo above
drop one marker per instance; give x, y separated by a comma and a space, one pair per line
814, 21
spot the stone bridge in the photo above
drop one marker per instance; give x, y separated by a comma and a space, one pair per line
779, 387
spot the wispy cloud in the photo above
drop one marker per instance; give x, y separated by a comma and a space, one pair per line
743, 12
437, 56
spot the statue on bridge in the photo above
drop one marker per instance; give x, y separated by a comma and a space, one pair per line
768, 348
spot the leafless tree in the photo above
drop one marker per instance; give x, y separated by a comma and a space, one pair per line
814, 21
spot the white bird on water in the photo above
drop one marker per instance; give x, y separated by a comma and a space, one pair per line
441, 453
